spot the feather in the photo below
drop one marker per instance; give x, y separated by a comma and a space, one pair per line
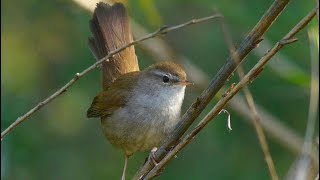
111, 30
114, 97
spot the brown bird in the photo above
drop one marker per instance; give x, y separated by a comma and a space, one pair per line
138, 109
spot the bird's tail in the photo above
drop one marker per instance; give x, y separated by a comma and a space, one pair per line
111, 30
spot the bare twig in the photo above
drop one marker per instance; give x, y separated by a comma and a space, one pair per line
160, 50
295, 167
252, 107
77, 76
261, 136
218, 81
248, 78
271, 124
304, 162
283, 67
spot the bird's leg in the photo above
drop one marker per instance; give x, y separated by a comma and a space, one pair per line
152, 156
125, 167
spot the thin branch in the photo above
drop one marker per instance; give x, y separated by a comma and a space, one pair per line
304, 164
283, 67
261, 136
248, 78
77, 76
314, 92
218, 81
295, 167
159, 49
252, 107
274, 126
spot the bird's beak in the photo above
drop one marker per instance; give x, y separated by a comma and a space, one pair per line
185, 83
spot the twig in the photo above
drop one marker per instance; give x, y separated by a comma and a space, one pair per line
276, 129
314, 93
252, 107
218, 81
160, 50
283, 67
248, 78
77, 76
303, 165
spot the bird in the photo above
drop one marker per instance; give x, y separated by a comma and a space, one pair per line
138, 109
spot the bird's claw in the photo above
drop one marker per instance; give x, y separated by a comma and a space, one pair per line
152, 156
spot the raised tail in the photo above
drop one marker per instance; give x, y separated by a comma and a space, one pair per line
111, 30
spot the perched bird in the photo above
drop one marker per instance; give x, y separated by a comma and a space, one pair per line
138, 109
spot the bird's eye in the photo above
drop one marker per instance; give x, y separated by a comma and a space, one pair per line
165, 79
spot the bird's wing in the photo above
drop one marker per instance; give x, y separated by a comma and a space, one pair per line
114, 97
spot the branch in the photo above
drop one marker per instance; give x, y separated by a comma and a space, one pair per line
248, 78
218, 81
77, 76
283, 67
159, 49
304, 162
255, 118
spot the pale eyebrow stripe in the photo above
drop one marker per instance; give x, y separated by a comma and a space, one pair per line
161, 73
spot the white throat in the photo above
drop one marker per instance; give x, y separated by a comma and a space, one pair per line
164, 103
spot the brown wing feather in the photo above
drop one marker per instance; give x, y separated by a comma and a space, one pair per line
114, 97
111, 30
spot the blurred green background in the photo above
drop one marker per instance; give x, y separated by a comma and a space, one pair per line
44, 43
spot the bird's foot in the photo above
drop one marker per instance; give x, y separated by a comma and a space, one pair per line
152, 156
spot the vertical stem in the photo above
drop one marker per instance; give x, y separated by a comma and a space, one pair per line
125, 168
